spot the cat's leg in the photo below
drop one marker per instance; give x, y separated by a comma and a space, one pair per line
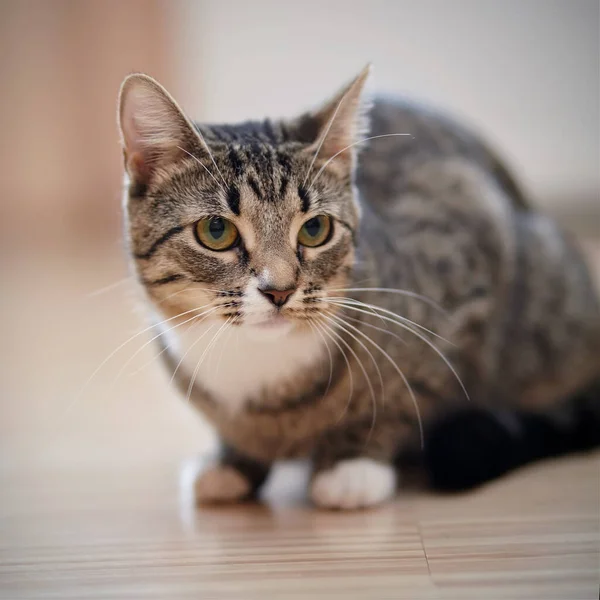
230, 477
353, 464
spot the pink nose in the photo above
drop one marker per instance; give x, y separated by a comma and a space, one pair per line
278, 297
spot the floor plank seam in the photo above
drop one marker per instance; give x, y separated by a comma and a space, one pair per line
425, 552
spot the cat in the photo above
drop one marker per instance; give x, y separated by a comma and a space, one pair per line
317, 296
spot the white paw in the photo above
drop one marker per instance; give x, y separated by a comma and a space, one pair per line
355, 483
221, 484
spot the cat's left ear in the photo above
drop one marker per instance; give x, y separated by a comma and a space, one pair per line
155, 132
341, 122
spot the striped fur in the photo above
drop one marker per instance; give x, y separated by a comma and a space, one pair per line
507, 315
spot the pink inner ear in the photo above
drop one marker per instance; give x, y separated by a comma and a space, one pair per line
137, 159
342, 122
131, 132
138, 166
139, 121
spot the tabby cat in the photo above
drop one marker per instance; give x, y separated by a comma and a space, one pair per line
318, 296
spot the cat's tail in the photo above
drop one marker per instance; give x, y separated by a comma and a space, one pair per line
473, 446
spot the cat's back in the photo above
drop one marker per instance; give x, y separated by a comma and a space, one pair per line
429, 135
444, 228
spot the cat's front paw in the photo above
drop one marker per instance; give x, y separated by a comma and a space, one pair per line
221, 484
355, 483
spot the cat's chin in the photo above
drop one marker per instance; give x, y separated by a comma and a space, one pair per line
270, 328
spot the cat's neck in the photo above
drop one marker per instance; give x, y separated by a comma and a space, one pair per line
238, 365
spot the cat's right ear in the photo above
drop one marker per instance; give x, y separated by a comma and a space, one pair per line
154, 130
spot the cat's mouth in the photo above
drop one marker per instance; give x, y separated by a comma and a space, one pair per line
274, 321
271, 326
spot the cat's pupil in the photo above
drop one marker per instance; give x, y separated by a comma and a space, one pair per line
217, 228
313, 226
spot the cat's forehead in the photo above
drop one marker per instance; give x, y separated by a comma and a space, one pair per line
270, 164
274, 152
263, 179
270, 196
274, 133
258, 173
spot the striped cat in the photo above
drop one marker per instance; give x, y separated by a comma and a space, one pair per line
352, 307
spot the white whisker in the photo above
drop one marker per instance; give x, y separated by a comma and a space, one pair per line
226, 342
314, 328
343, 300
131, 358
110, 286
212, 158
206, 351
188, 288
339, 322
178, 365
325, 329
322, 140
428, 342
204, 166
335, 300
362, 368
198, 290
117, 349
201, 317
404, 379
407, 293
373, 137
349, 318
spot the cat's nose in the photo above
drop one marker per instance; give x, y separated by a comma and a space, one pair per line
277, 297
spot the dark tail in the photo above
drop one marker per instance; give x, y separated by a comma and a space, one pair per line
473, 446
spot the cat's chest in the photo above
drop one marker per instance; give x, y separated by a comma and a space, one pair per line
234, 366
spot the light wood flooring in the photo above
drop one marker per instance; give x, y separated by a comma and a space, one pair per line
95, 499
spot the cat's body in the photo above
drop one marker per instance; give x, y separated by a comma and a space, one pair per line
507, 318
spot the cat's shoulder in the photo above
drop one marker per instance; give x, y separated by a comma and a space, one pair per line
406, 131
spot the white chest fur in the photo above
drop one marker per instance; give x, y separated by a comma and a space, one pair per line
238, 365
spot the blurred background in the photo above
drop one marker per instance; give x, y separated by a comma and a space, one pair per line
523, 72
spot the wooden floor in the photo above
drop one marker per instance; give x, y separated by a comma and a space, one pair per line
95, 499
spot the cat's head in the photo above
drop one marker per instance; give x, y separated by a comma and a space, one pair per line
251, 224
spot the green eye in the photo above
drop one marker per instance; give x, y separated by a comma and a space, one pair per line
315, 232
216, 233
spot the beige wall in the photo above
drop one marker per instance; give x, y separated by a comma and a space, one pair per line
61, 64
525, 71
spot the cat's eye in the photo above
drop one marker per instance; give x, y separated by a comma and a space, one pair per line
217, 233
315, 232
